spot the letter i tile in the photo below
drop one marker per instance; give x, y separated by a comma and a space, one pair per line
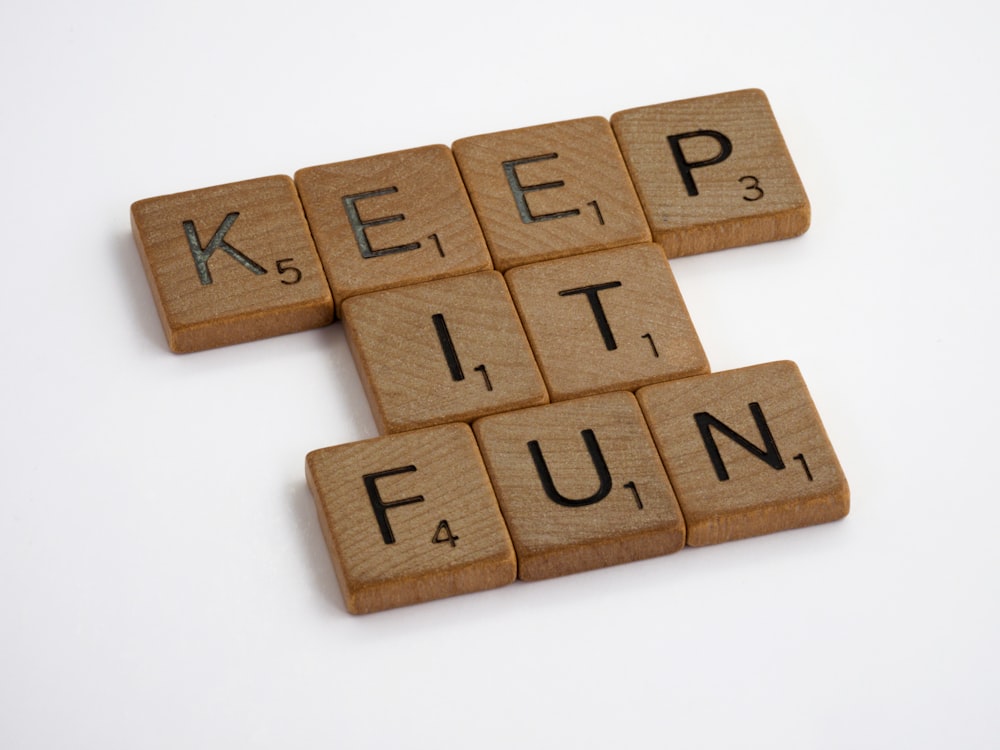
443, 351
580, 485
231, 263
409, 518
712, 172
746, 452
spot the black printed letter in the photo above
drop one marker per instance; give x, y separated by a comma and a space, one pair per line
450, 355
595, 456
769, 454
597, 308
685, 166
381, 507
519, 190
217, 242
359, 226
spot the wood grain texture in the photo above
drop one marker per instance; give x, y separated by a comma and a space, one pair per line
442, 351
712, 172
550, 190
231, 263
410, 518
600, 498
606, 321
391, 219
746, 452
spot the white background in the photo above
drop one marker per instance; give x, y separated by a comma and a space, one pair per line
163, 579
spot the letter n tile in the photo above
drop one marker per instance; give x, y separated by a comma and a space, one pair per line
746, 452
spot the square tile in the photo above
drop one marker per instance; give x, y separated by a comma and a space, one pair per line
231, 263
550, 190
712, 172
605, 321
409, 518
746, 452
392, 219
443, 351
580, 485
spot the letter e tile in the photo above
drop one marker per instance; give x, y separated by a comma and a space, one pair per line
712, 172
409, 518
580, 485
443, 351
392, 219
746, 452
231, 263
550, 190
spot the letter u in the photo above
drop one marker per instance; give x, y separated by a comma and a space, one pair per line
596, 457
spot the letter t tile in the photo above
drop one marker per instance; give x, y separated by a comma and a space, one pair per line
606, 321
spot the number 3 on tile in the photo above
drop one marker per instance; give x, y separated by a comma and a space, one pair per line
752, 185
443, 534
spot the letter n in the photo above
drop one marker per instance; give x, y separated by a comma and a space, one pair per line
768, 454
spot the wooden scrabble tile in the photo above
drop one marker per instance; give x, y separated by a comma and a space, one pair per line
712, 172
392, 219
231, 263
746, 452
409, 518
442, 351
580, 485
604, 321
550, 190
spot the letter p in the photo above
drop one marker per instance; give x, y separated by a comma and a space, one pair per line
685, 166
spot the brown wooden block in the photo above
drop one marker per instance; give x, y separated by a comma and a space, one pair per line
442, 351
231, 263
712, 172
605, 321
746, 452
550, 190
392, 219
580, 485
409, 518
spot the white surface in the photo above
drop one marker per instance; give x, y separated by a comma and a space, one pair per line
163, 579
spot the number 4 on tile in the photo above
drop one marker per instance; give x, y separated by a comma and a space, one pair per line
443, 534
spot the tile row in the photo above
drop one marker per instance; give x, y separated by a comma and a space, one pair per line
581, 484
460, 348
273, 255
